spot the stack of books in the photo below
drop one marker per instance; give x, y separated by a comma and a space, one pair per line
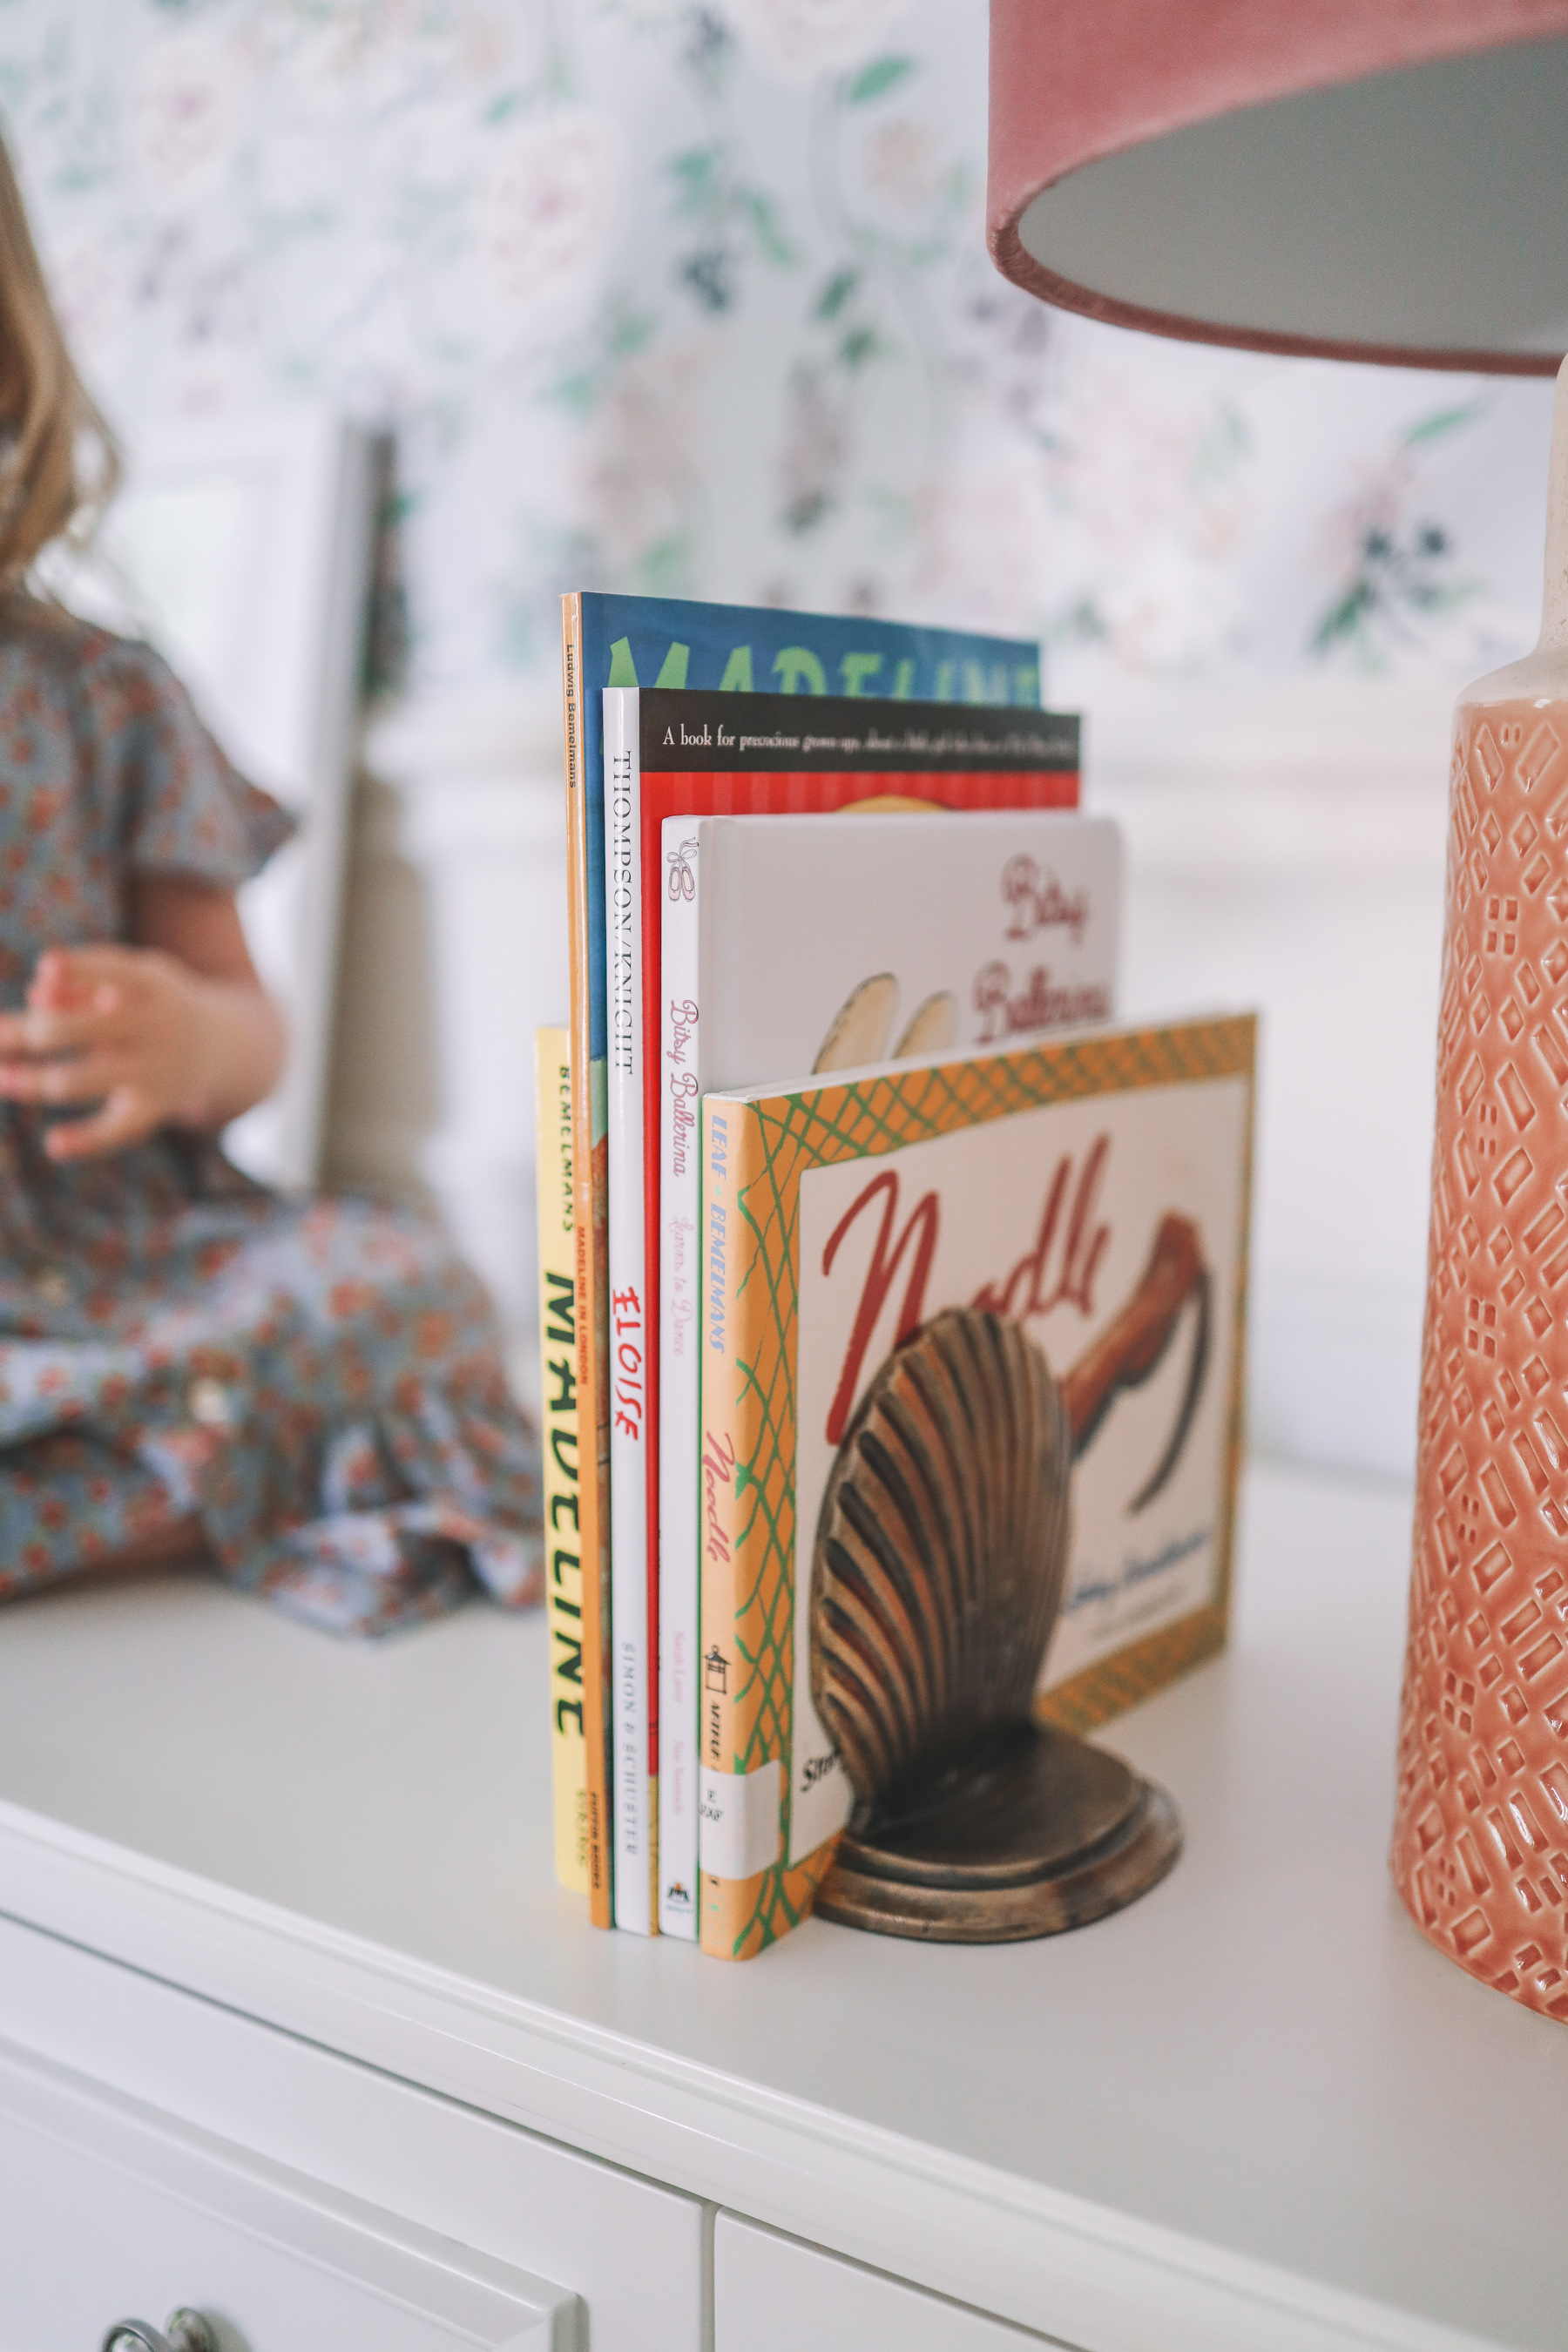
841, 1053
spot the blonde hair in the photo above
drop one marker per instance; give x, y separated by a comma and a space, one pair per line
49, 424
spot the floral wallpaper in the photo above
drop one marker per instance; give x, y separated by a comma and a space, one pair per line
692, 296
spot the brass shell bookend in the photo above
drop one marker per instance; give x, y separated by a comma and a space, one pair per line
936, 1581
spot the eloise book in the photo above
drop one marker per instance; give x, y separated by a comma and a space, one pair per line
689, 753
1061, 1183
624, 641
818, 943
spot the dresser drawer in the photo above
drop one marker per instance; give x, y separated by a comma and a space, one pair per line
634, 2253
775, 2294
110, 2210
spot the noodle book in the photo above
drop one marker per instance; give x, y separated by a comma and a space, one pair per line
1053, 1184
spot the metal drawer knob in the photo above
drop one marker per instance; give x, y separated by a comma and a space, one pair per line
187, 2331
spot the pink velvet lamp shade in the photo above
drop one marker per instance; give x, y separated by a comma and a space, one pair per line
1361, 179
1388, 179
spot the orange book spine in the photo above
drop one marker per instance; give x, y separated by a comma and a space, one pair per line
749, 1895
591, 1240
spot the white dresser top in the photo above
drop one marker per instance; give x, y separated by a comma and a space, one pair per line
1256, 2110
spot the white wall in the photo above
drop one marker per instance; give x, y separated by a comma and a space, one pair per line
1285, 850
455, 951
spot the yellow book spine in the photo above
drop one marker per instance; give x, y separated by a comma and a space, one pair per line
560, 1431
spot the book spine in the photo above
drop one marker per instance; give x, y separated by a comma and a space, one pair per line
590, 1238
750, 1894
635, 1668
558, 1414
680, 1328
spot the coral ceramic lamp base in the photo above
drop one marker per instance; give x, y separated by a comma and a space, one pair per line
1036, 1832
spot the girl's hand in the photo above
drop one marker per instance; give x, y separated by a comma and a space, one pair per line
139, 1032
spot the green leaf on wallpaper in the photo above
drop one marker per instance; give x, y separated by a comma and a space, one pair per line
695, 174
860, 344
1443, 421
836, 293
875, 80
770, 239
1346, 619
506, 102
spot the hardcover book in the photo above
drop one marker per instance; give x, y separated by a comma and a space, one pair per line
669, 752
558, 1436
734, 648
1046, 1184
814, 944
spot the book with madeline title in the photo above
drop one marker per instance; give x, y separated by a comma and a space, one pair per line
559, 1443
822, 942
609, 640
1046, 1183
684, 753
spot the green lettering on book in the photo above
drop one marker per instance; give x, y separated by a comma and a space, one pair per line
797, 670
672, 670
623, 669
855, 668
737, 677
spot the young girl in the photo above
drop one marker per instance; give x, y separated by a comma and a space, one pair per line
308, 1396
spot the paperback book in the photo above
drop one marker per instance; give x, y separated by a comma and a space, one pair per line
627, 641
1049, 1183
679, 754
812, 944
558, 1434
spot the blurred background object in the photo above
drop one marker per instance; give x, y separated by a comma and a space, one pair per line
240, 547
694, 298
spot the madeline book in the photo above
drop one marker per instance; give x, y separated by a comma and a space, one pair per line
684, 753
1051, 1183
627, 641
559, 1437
818, 943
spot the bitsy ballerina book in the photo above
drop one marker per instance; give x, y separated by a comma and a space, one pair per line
794, 943
1053, 1185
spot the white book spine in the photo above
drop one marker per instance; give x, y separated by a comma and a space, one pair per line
679, 1292
634, 1825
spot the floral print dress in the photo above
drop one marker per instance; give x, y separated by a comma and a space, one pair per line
318, 1381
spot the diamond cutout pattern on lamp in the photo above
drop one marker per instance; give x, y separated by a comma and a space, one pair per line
1480, 1846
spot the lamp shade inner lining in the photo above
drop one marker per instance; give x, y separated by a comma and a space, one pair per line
1425, 206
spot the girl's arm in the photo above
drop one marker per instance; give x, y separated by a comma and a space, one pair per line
175, 1031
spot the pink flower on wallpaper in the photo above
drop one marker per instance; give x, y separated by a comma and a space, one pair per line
647, 477
978, 547
87, 281
547, 209
801, 38
183, 112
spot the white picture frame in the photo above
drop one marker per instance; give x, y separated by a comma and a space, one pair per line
241, 548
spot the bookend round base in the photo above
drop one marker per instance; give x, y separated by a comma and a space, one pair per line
1033, 1833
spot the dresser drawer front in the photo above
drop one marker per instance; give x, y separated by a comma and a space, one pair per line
775, 2294
632, 2252
111, 2210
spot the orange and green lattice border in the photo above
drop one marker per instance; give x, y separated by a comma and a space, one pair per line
786, 1135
